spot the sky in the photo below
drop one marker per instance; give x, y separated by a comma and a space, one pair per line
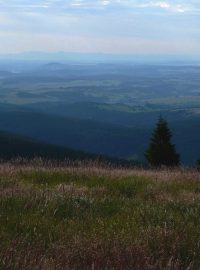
100, 26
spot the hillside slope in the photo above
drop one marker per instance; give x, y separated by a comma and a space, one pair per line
86, 135
12, 146
105, 138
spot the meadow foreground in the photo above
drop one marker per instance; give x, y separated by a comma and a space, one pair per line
96, 217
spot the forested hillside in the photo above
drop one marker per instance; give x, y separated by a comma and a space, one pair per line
107, 109
13, 146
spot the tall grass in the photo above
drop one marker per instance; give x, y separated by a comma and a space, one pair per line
93, 216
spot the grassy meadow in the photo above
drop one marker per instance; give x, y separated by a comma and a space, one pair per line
88, 216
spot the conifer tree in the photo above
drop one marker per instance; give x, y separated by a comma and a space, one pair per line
161, 151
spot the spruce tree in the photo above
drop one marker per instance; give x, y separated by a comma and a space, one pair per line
161, 151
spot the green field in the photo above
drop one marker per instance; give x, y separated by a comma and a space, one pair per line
94, 217
160, 86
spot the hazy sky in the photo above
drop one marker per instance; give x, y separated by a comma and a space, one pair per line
111, 26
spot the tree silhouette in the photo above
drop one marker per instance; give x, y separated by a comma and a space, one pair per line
161, 151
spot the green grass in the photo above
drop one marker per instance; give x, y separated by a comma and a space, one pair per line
98, 218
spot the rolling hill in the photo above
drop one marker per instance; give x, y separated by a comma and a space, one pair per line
85, 135
102, 138
12, 146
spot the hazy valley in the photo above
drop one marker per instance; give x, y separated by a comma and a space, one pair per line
102, 108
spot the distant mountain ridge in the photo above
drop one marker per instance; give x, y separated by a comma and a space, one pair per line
97, 57
53, 66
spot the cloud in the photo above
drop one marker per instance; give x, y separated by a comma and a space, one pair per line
66, 5
180, 8
100, 25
